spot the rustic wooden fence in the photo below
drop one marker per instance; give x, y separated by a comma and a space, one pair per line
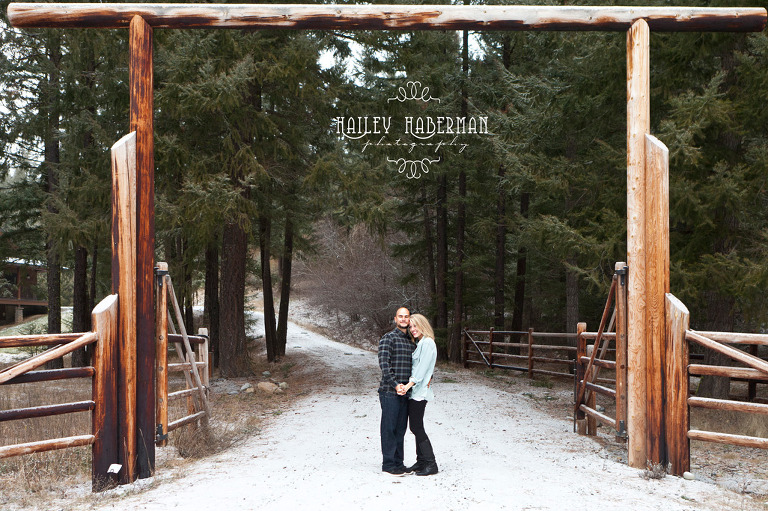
593, 358
103, 404
489, 348
678, 373
194, 363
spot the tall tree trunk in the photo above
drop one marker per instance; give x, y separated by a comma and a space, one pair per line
517, 313
285, 288
51, 164
441, 285
429, 242
454, 346
501, 251
80, 313
270, 330
571, 298
211, 303
234, 356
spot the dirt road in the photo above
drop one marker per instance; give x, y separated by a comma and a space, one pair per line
496, 450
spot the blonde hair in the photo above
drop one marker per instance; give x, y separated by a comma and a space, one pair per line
423, 325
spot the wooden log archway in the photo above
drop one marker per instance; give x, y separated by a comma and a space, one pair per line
638, 22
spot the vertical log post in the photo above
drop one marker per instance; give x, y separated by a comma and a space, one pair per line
638, 125
105, 446
490, 349
752, 385
657, 284
591, 398
676, 413
205, 356
530, 352
621, 352
581, 351
161, 349
142, 111
123, 284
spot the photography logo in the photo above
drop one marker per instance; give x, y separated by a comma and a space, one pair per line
422, 138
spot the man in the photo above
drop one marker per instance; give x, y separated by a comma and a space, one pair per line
395, 350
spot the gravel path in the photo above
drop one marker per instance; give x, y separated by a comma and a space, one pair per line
494, 448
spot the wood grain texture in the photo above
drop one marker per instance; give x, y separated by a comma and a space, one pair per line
734, 353
638, 125
45, 445
18, 341
104, 318
32, 363
677, 418
386, 17
142, 113
725, 438
656, 285
727, 371
124, 277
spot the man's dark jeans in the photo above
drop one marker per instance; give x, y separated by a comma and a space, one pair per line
394, 422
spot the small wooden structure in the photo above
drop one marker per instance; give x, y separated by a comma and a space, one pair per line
23, 275
646, 235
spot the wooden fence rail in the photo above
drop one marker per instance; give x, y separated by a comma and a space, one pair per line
103, 436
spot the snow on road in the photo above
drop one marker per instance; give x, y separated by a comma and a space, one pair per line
494, 448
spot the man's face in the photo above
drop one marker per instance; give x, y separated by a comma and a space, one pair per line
403, 318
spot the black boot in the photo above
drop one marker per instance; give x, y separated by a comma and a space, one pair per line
419, 461
429, 466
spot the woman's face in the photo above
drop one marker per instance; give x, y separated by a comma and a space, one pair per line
415, 332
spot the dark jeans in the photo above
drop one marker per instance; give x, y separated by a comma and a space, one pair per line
394, 422
416, 423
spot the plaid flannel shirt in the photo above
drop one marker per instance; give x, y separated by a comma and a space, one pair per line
395, 350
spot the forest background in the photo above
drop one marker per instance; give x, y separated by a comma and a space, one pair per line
256, 187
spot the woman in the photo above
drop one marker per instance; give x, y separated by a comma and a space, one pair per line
423, 367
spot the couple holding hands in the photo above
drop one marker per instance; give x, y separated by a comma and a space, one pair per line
407, 358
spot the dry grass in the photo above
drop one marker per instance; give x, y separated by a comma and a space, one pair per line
35, 480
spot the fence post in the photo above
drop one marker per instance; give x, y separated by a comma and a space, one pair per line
581, 351
161, 348
530, 352
124, 278
657, 284
591, 396
621, 352
205, 357
464, 348
104, 418
676, 413
490, 348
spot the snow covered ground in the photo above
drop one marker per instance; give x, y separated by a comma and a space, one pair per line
495, 450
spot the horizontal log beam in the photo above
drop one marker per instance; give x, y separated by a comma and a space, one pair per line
601, 390
183, 366
728, 351
386, 17
736, 338
725, 438
38, 360
45, 445
727, 371
725, 404
52, 375
45, 411
185, 420
605, 364
181, 393
20, 341
599, 416
193, 339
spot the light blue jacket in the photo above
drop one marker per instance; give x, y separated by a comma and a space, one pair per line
424, 358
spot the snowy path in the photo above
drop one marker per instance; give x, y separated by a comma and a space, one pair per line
494, 449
